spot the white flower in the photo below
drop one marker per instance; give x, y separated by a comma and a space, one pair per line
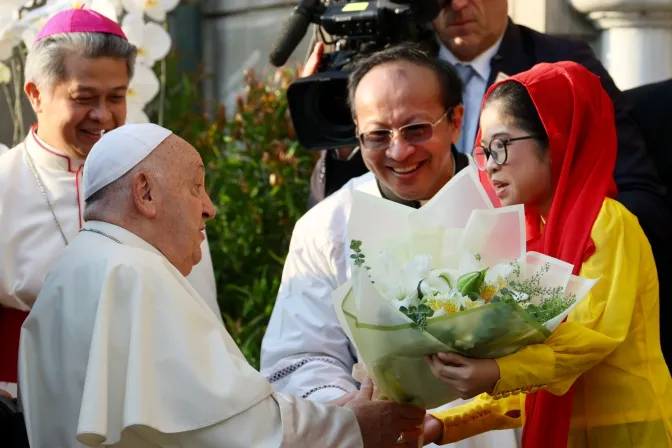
152, 40
141, 90
109, 8
9, 37
5, 74
13, 4
155, 9
32, 21
438, 281
401, 284
136, 114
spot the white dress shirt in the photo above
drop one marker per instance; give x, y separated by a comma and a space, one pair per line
474, 91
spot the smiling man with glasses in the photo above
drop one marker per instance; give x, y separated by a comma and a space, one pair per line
407, 109
408, 112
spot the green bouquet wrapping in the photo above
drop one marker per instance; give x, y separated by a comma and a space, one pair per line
452, 276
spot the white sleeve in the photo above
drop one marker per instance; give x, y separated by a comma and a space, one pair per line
279, 420
305, 351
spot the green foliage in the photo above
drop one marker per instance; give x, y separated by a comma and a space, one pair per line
548, 308
358, 256
258, 178
418, 314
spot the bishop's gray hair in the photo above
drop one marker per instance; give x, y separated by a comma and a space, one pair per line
45, 63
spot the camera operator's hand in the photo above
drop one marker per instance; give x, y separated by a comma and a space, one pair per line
382, 422
313, 61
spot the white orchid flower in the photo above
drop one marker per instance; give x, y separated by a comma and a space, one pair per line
155, 9
141, 90
5, 74
152, 40
9, 37
136, 114
31, 22
6, 48
13, 5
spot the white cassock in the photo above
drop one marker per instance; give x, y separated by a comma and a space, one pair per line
30, 239
120, 350
305, 351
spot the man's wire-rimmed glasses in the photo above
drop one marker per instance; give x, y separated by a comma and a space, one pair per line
380, 139
497, 149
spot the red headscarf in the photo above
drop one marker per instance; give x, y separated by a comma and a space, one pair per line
578, 117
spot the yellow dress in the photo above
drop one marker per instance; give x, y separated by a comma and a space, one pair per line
609, 348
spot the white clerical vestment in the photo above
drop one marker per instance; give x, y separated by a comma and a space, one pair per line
120, 350
305, 351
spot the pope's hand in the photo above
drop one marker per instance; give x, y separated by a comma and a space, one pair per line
382, 422
345, 399
468, 377
5, 394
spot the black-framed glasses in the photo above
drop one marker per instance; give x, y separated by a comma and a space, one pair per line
497, 149
380, 139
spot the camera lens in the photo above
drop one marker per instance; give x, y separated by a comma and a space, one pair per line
333, 107
329, 110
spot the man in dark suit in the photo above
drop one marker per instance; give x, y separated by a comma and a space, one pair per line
651, 105
468, 31
650, 110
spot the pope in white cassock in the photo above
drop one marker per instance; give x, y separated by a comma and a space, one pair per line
76, 77
120, 349
408, 113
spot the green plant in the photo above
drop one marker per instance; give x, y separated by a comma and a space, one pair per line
258, 177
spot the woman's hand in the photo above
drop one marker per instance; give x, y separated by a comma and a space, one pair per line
468, 377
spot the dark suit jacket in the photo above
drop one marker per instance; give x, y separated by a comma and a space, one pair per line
639, 186
652, 111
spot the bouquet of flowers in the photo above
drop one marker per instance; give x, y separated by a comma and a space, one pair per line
452, 276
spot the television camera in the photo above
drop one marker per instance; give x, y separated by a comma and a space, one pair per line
318, 104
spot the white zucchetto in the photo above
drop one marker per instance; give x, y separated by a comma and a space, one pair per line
118, 151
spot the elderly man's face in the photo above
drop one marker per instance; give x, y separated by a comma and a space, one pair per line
399, 94
469, 27
72, 112
185, 205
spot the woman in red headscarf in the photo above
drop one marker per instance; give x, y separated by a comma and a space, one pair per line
548, 141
